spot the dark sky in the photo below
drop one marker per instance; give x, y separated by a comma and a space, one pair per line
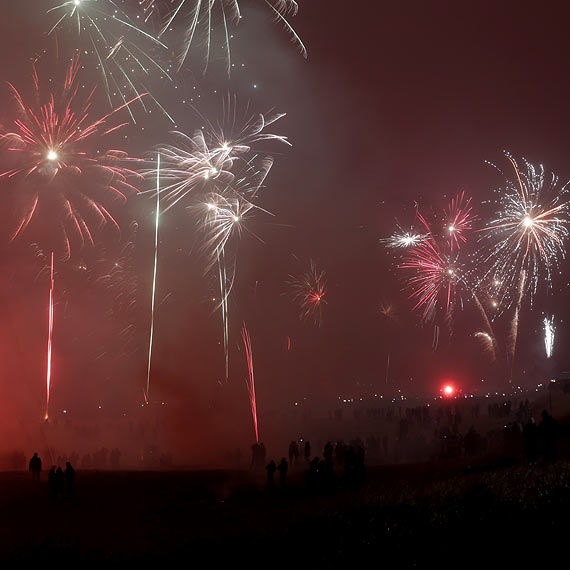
397, 102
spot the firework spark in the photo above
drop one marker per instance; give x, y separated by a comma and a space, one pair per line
201, 16
309, 290
49, 340
113, 44
155, 267
53, 166
250, 380
435, 274
459, 218
529, 232
549, 333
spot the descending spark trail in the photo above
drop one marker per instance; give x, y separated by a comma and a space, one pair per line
224, 294
49, 342
250, 381
549, 331
151, 336
198, 19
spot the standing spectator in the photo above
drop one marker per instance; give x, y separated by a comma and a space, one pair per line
35, 467
69, 480
282, 468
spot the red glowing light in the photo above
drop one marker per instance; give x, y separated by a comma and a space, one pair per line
448, 390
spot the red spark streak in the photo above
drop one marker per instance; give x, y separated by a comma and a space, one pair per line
250, 382
49, 343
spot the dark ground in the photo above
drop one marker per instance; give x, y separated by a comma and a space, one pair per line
411, 515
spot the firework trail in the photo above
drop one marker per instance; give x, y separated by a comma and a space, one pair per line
49, 341
549, 332
151, 335
309, 290
122, 52
250, 381
200, 17
53, 170
528, 234
459, 220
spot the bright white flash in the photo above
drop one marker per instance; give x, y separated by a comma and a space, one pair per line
549, 330
52, 155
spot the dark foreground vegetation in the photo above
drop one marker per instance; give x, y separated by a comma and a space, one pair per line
408, 515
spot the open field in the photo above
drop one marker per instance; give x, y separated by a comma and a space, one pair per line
407, 514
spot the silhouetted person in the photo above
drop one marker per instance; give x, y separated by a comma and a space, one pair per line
531, 440
51, 483
282, 468
69, 480
307, 451
35, 467
271, 468
328, 452
548, 430
293, 452
59, 483
262, 453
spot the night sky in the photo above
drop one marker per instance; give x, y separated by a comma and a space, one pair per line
397, 102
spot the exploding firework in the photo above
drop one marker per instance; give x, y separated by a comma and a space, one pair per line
309, 290
250, 380
55, 170
218, 173
201, 17
405, 238
459, 218
549, 332
525, 242
436, 275
111, 42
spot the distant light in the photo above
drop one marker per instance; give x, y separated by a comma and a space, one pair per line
448, 390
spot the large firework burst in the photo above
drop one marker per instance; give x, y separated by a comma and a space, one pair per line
55, 166
525, 242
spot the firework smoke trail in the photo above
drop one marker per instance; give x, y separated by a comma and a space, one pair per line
224, 294
549, 332
250, 381
49, 342
514, 330
201, 14
151, 335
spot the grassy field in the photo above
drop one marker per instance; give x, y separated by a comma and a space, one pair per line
404, 514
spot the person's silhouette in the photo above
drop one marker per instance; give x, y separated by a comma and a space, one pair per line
271, 468
35, 467
69, 480
282, 468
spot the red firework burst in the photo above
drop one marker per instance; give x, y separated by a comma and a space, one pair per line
459, 219
309, 290
53, 166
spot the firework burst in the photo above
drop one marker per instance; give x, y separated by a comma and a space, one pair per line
111, 42
525, 243
459, 218
549, 334
201, 17
55, 167
309, 290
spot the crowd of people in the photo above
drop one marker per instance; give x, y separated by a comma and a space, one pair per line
60, 481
